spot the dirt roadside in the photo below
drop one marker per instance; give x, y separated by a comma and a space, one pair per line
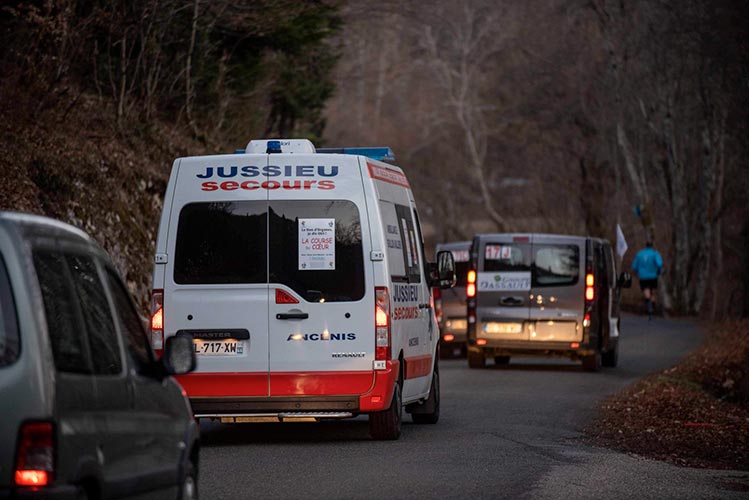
693, 414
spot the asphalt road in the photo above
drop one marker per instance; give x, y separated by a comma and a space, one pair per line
504, 432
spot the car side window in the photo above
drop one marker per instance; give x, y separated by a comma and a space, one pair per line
129, 322
10, 344
63, 324
103, 342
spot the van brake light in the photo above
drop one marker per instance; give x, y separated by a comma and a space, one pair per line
157, 321
383, 350
471, 284
590, 293
284, 297
35, 457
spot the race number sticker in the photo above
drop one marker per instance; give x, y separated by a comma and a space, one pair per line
316, 244
461, 255
504, 282
498, 252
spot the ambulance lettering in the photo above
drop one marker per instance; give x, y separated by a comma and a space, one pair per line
405, 295
250, 171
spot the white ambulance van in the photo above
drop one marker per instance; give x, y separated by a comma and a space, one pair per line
300, 276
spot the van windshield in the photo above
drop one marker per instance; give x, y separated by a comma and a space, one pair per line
555, 265
313, 247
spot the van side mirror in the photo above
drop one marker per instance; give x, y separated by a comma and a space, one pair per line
445, 271
624, 280
179, 355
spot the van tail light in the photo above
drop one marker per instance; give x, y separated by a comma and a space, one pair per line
471, 305
284, 297
157, 321
437, 303
35, 458
383, 348
471, 284
590, 293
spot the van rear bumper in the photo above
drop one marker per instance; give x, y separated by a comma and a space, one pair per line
216, 407
534, 348
376, 397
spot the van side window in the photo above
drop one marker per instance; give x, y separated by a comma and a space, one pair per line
555, 265
408, 237
10, 344
63, 327
129, 322
103, 341
302, 255
222, 242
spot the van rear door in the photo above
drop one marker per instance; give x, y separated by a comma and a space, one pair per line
558, 287
321, 316
216, 283
503, 284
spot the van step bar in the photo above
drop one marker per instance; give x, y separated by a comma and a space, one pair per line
278, 417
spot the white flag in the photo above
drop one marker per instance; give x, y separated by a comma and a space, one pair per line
621, 243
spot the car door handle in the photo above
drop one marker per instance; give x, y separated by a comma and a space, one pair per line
299, 315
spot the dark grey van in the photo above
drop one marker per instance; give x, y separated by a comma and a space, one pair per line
450, 303
85, 409
543, 295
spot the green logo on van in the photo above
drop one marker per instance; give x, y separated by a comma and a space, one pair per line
497, 277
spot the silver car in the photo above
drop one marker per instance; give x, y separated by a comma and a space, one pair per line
543, 295
86, 411
450, 303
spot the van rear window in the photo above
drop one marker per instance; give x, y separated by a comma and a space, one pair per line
222, 242
555, 265
507, 257
313, 247
316, 249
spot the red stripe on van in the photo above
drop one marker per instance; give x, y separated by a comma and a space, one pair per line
320, 383
387, 175
225, 384
418, 366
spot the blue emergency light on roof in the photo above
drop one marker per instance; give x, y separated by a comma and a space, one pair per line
273, 147
379, 153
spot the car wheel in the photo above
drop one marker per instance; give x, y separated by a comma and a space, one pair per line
189, 487
592, 362
476, 359
610, 358
429, 412
501, 360
386, 425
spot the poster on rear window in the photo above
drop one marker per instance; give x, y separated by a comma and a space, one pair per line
316, 244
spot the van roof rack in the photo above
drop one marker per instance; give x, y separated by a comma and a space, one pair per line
376, 153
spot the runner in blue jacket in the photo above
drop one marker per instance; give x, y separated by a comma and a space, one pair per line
648, 265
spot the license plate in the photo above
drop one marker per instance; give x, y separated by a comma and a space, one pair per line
503, 327
459, 325
228, 347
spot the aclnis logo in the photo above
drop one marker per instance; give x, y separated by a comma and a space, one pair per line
325, 337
